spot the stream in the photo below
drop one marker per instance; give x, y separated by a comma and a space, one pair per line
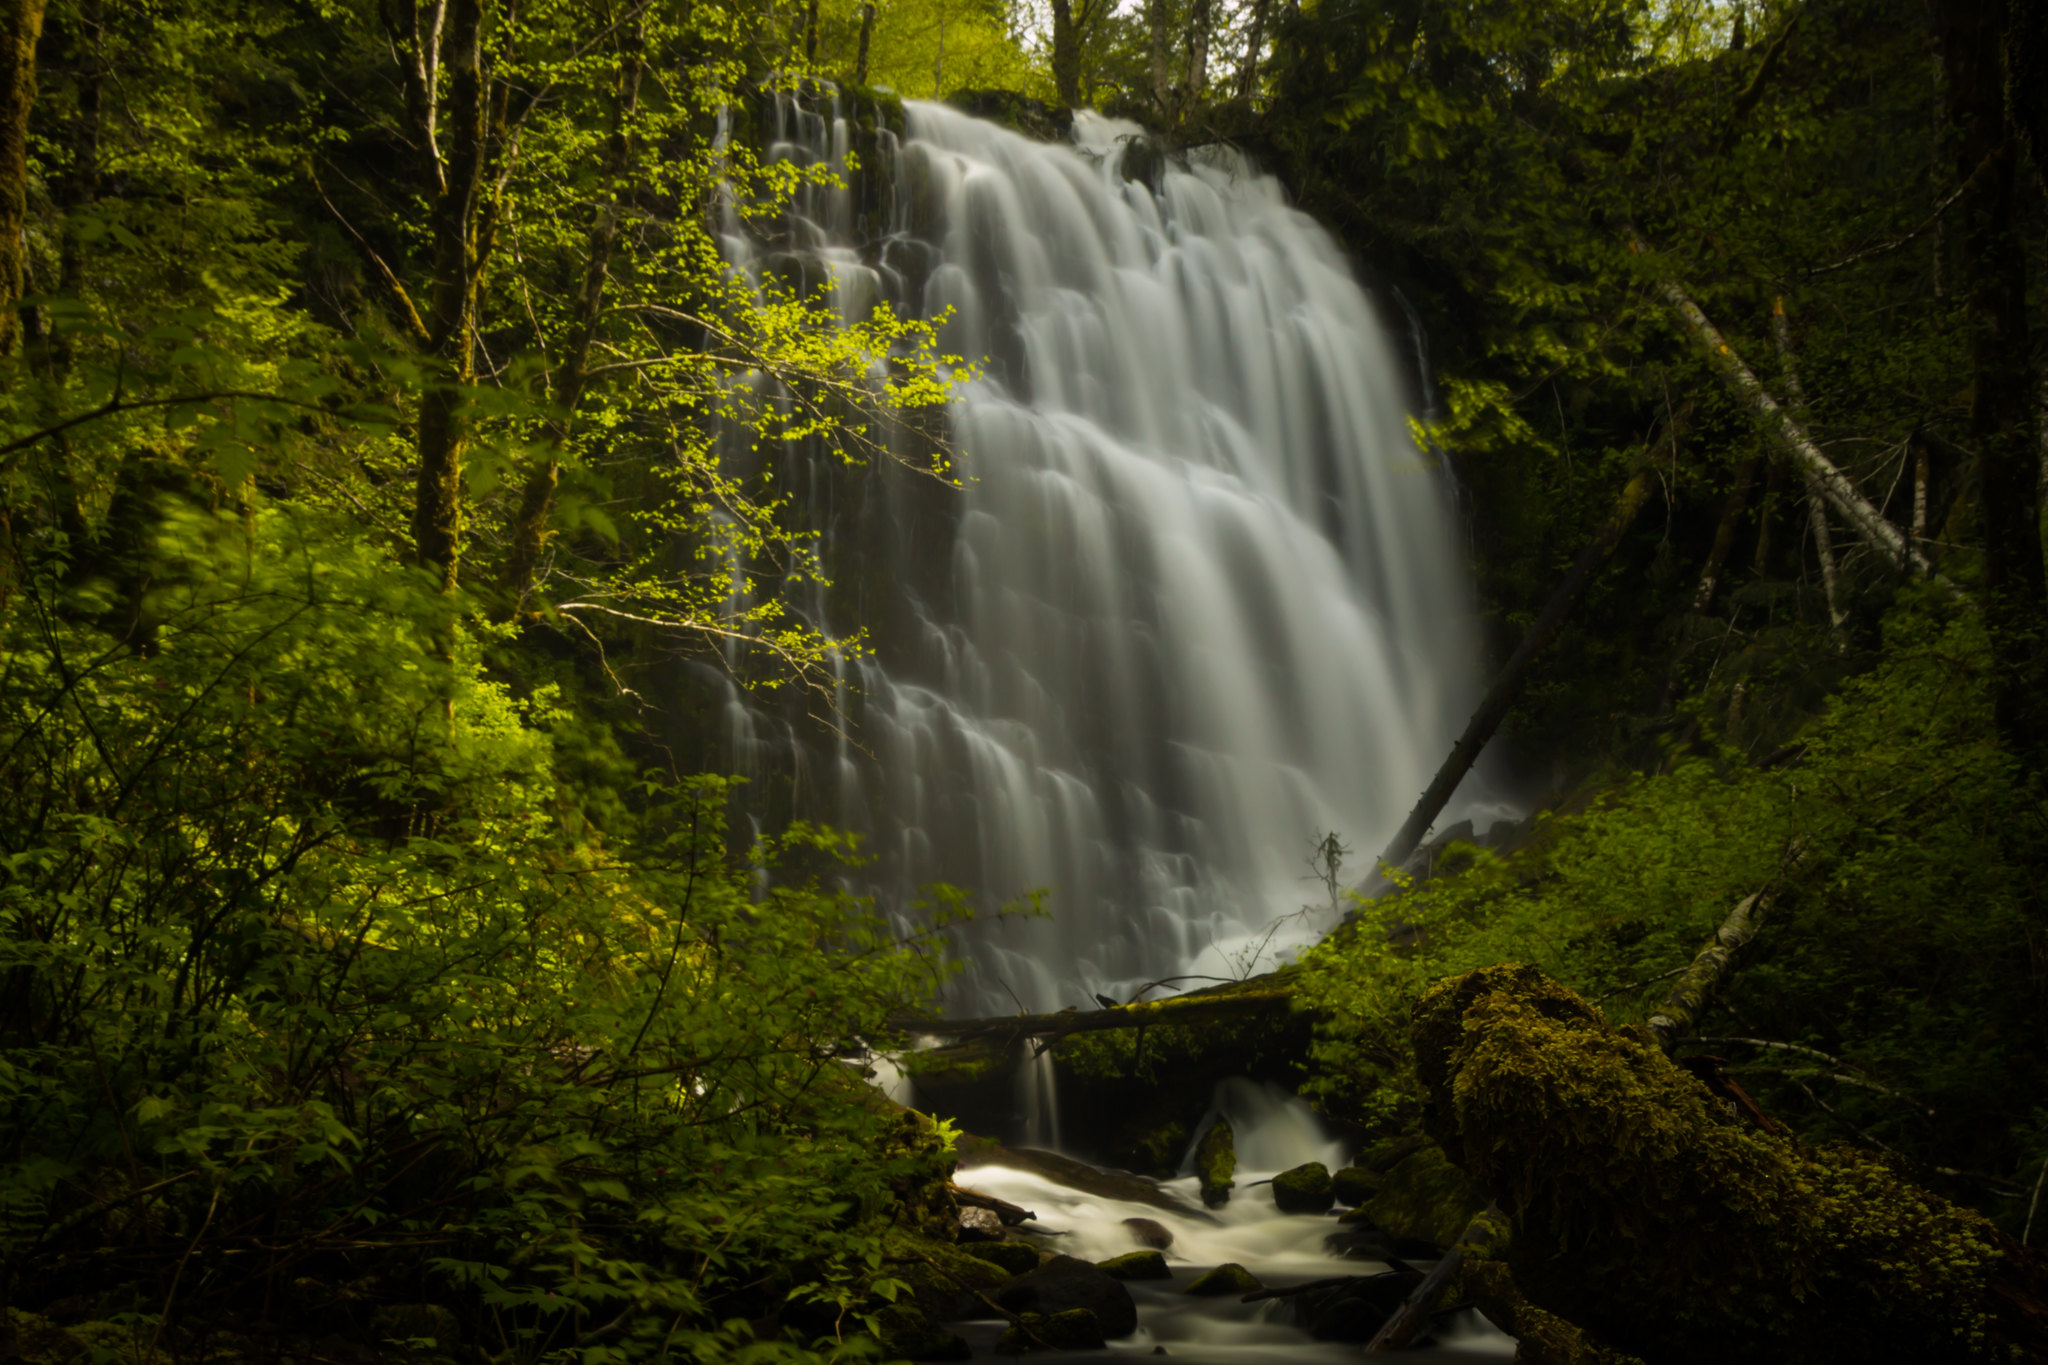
1275, 1132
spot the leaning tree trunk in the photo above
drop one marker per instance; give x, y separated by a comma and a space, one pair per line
1500, 697
21, 24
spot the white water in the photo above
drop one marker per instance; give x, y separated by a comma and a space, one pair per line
1199, 600
1274, 1131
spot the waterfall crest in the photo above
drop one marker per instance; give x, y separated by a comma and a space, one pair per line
1199, 599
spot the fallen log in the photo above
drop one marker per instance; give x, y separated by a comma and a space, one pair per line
1199, 1007
1666, 1227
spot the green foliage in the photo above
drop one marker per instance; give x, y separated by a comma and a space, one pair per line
1901, 955
306, 950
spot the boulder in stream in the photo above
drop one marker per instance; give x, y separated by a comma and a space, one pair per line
1228, 1278
1065, 1283
1356, 1184
1150, 1232
1216, 1163
1305, 1189
980, 1225
1137, 1265
1354, 1310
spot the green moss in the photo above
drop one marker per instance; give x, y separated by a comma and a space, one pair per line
1137, 1265
1647, 1214
1425, 1197
1216, 1163
1354, 1185
1540, 1338
1304, 1189
1228, 1278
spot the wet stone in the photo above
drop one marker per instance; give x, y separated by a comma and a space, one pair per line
1228, 1278
1065, 1283
1305, 1189
1137, 1265
1150, 1232
1356, 1184
980, 1225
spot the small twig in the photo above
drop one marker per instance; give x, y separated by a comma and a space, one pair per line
1638, 985
1831, 1061
2033, 1204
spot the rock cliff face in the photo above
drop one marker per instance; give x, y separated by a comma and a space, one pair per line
1657, 1220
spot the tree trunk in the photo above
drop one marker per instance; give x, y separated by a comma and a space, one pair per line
1198, 54
1786, 429
1162, 77
1994, 279
811, 33
1501, 696
451, 320
1816, 502
1066, 54
21, 26
572, 375
1725, 531
867, 33
1255, 38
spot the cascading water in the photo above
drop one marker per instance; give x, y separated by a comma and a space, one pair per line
1198, 601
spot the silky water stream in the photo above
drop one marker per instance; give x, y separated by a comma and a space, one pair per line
1275, 1131
1197, 603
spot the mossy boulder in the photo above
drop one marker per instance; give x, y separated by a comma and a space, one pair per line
1137, 1265
1304, 1189
1066, 1283
1425, 1199
1216, 1163
944, 1279
1228, 1278
1662, 1225
1540, 1338
1354, 1185
1149, 1232
1074, 1330
1018, 1258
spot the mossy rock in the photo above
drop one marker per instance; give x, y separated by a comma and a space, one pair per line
1649, 1216
1018, 1258
1074, 1330
1304, 1189
1137, 1265
1228, 1278
1425, 1199
1354, 1185
1216, 1163
943, 1278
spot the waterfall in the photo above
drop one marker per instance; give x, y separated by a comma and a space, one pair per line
1198, 600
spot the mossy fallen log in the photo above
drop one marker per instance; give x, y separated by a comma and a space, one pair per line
1663, 1225
1260, 995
